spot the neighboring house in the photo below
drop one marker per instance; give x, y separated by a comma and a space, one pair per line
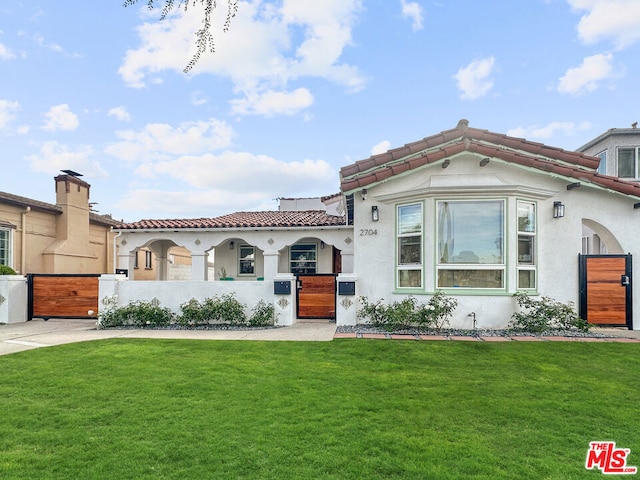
475, 214
619, 152
38, 237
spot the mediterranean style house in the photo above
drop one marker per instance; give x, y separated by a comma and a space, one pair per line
39, 237
475, 214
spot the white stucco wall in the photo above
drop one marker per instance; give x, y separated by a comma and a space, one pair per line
558, 239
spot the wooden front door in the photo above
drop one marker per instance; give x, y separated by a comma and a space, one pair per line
605, 290
62, 296
316, 296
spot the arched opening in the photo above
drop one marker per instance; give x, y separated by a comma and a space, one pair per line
598, 240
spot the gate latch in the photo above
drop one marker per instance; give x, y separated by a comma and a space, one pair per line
624, 280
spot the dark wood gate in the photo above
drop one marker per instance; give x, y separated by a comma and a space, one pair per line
316, 296
62, 296
606, 290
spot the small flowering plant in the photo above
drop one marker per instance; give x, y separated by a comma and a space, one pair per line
409, 312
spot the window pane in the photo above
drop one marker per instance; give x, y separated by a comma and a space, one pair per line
303, 258
526, 279
471, 232
602, 167
4, 247
410, 219
525, 249
410, 250
526, 217
471, 278
247, 260
410, 278
626, 162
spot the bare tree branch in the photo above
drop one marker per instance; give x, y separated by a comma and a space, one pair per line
204, 37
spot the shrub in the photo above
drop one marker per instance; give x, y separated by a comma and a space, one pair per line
217, 310
546, 314
409, 313
7, 270
263, 315
135, 314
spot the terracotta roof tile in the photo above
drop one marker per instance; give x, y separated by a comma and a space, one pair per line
268, 219
483, 142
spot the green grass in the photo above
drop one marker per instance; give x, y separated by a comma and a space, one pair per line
347, 409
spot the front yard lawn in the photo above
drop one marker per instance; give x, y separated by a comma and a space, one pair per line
346, 409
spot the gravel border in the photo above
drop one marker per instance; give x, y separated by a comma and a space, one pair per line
455, 332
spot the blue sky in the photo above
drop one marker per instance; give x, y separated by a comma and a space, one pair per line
295, 90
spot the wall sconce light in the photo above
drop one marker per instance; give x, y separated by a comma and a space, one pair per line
446, 163
558, 210
375, 214
485, 161
364, 194
231, 245
321, 244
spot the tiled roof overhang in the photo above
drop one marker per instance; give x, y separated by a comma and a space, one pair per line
245, 220
555, 161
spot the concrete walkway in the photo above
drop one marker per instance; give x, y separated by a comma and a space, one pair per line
37, 333
16, 337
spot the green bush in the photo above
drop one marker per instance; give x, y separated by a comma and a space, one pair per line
263, 315
135, 314
545, 314
225, 309
7, 270
408, 312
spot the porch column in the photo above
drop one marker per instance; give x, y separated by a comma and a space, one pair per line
127, 261
347, 261
271, 260
199, 266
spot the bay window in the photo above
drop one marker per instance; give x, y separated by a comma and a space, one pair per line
470, 244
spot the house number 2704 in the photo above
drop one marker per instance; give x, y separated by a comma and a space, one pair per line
366, 232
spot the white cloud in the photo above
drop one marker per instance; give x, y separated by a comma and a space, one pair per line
270, 103
616, 20
54, 157
245, 172
198, 98
549, 130
158, 141
229, 182
120, 113
59, 117
267, 47
414, 12
588, 76
7, 112
381, 147
6, 53
474, 80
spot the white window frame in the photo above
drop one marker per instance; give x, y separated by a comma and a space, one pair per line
401, 266
460, 267
602, 166
251, 260
148, 260
8, 260
636, 153
528, 233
